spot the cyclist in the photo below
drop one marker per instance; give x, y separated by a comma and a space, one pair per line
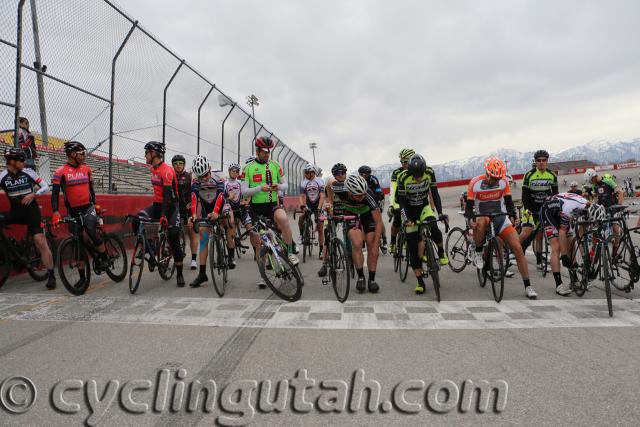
556, 213
75, 180
165, 202
357, 199
311, 198
414, 194
233, 196
494, 196
262, 182
184, 203
18, 183
374, 185
573, 188
335, 183
394, 207
207, 193
537, 184
607, 193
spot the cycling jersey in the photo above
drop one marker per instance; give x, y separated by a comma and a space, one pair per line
374, 186
258, 174
536, 187
491, 198
163, 177
605, 191
21, 184
76, 184
312, 189
184, 190
233, 192
357, 207
557, 210
207, 192
393, 186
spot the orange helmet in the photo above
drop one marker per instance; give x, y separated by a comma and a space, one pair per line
494, 167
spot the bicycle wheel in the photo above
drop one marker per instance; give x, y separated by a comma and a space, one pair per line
495, 270
338, 271
35, 267
73, 266
283, 279
579, 274
117, 256
433, 265
166, 265
5, 266
624, 264
311, 236
305, 241
217, 275
457, 247
545, 255
607, 275
403, 250
137, 265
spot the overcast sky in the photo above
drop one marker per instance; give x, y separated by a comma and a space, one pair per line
448, 78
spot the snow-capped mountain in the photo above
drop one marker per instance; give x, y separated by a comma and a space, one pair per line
599, 152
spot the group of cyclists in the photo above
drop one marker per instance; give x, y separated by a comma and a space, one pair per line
181, 198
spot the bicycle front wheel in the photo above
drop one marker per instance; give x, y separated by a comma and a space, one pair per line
495, 270
137, 265
73, 266
432, 263
5, 266
35, 266
338, 270
607, 273
579, 273
624, 264
117, 256
457, 247
215, 267
283, 278
166, 264
403, 249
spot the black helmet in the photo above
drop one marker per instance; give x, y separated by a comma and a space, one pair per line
364, 169
14, 154
156, 146
417, 165
177, 158
71, 146
338, 167
541, 153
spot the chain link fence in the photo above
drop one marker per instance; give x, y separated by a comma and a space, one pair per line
85, 70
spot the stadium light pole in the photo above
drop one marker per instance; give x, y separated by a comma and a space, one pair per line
252, 100
313, 147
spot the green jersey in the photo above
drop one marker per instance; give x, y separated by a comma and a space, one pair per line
258, 174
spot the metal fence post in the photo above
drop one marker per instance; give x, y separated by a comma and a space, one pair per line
199, 109
289, 170
239, 132
164, 102
16, 124
222, 137
113, 91
38, 66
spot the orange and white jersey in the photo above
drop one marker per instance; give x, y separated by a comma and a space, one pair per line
489, 198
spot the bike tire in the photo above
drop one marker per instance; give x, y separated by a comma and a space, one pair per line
545, 255
403, 247
137, 265
305, 241
291, 288
496, 269
35, 267
433, 265
117, 255
166, 264
457, 248
607, 274
5, 266
217, 275
625, 266
70, 255
579, 286
338, 271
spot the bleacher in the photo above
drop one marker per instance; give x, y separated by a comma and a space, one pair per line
129, 178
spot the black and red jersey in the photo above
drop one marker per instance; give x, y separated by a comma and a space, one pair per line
163, 176
76, 183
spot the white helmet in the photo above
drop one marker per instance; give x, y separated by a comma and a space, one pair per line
200, 165
309, 168
573, 184
509, 177
597, 212
355, 184
589, 174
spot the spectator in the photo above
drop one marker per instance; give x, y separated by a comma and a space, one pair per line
27, 142
114, 188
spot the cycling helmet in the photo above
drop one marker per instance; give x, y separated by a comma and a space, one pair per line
309, 168
200, 165
417, 165
541, 154
249, 160
573, 184
71, 146
589, 174
364, 169
156, 146
494, 167
356, 185
406, 153
264, 143
338, 167
597, 212
234, 166
177, 158
14, 154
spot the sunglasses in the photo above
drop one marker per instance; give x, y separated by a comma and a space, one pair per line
541, 160
339, 173
82, 153
178, 163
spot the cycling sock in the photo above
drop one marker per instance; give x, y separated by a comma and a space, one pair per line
526, 282
420, 280
557, 278
290, 248
393, 240
440, 251
203, 270
372, 276
360, 272
479, 249
50, 272
231, 251
179, 270
193, 257
538, 257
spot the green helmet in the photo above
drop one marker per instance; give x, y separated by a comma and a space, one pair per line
406, 154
